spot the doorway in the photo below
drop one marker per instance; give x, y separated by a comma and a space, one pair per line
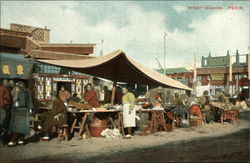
67, 86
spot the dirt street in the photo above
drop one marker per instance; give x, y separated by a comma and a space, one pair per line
210, 142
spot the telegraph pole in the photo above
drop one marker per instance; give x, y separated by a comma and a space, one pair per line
101, 51
165, 35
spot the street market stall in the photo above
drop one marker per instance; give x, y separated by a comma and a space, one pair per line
118, 67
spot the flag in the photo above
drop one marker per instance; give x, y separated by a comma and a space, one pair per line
230, 69
195, 71
248, 62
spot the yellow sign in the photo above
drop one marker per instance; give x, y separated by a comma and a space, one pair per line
6, 69
19, 69
217, 76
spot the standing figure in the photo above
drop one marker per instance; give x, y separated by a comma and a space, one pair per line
224, 99
5, 101
128, 101
107, 95
159, 97
205, 106
118, 95
19, 125
90, 96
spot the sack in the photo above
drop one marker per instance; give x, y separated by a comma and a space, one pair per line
16, 104
184, 123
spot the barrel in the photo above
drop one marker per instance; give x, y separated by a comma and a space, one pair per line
97, 126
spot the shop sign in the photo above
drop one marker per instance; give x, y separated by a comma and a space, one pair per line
217, 76
63, 79
15, 70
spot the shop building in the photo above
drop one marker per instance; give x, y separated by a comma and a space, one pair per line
215, 72
21, 45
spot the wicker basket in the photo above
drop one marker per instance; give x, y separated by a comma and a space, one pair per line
195, 122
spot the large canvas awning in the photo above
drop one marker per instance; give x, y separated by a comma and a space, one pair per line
118, 67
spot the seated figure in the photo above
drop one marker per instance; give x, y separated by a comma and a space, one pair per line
57, 117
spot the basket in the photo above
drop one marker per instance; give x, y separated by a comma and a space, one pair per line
195, 122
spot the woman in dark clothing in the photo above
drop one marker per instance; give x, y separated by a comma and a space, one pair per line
19, 125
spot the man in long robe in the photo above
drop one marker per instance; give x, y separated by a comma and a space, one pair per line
128, 101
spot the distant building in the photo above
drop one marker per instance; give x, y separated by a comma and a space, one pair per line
181, 74
214, 71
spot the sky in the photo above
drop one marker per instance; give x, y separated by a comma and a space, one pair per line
137, 27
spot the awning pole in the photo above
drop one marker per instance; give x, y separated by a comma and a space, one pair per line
113, 93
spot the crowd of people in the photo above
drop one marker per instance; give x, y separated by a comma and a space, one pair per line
16, 102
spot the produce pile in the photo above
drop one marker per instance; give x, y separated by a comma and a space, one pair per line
222, 106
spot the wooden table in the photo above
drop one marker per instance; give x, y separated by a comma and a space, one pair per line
231, 115
227, 114
84, 116
157, 120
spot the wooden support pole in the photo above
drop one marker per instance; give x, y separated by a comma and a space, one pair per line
113, 93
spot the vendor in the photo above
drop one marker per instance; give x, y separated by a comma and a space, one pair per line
240, 103
64, 95
204, 101
118, 95
180, 111
224, 99
154, 96
90, 96
195, 110
128, 101
75, 98
158, 97
177, 101
57, 116
107, 95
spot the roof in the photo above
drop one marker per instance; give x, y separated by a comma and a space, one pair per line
84, 49
9, 31
41, 54
67, 45
221, 70
174, 70
118, 67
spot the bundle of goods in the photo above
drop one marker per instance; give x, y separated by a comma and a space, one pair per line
221, 105
141, 100
80, 105
147, 105
109, 133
